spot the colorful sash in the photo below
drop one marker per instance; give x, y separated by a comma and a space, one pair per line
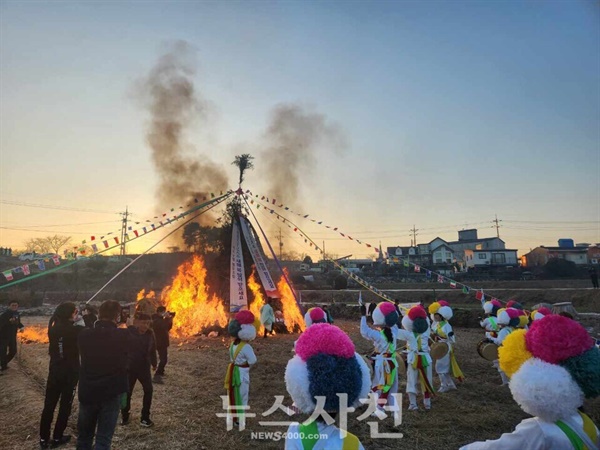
233, 380
309, 434
456, 372
390, 368
420, 363
588, 428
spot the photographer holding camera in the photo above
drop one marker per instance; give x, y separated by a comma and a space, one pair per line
162, 322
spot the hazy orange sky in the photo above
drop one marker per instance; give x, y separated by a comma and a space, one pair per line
437, 115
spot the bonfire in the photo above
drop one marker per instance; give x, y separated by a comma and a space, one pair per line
197, 311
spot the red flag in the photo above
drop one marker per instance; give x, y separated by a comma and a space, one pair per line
26, 270
105, 244
56, 260
93, 238
274, 201
136, 233
479, 295
117, 240
417, 268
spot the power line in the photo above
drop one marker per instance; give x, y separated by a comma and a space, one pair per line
558, 221
44, 231
66, 224
63, 208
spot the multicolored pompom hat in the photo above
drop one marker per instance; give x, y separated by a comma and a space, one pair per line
553, 366
415, 320
441, 307
243, 326
509, 317
385, 315
326, 365
314, 315
540, 313
492, 307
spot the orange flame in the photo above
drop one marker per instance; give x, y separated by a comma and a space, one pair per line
188, 298
34, 333
259, 299
294, 321
143, 294
146, 302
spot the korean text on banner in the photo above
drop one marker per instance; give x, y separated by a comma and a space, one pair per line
238, 299
259, 262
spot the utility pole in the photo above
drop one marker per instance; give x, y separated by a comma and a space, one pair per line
414, 234
125, 215
497, 226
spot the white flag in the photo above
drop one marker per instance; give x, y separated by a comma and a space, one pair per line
259, 262
237, 280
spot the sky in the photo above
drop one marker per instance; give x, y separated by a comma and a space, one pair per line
447, 114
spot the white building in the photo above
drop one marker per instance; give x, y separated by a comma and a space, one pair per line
499, 257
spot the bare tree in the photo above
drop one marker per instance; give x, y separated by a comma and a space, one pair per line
39, 245
56, 242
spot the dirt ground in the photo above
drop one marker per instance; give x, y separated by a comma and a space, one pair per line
184, 408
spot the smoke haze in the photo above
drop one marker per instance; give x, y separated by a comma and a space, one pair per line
295, 138
174, 103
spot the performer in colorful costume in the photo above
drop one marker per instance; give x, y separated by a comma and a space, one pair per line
325, 365
539, 313
237, 379
419, 364
490, 323
553, 367
508, 320
442, 331
385, 365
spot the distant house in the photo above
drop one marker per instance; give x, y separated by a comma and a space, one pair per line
593, 254
442, 254
482, 258
417, 255
468, 240
565, 250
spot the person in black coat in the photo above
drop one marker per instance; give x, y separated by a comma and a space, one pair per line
62, 375
10, 323
142, 355
162, 322
89, 316
102, 378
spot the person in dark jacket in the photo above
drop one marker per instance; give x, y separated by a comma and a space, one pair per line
372, 307
162, 322
62, 375
102, 378
142, 354
328, 315
89, 316
10, 323
396, 305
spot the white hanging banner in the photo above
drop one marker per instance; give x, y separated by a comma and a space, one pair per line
259, 262
238, 299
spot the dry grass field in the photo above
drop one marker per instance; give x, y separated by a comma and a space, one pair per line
184, 408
